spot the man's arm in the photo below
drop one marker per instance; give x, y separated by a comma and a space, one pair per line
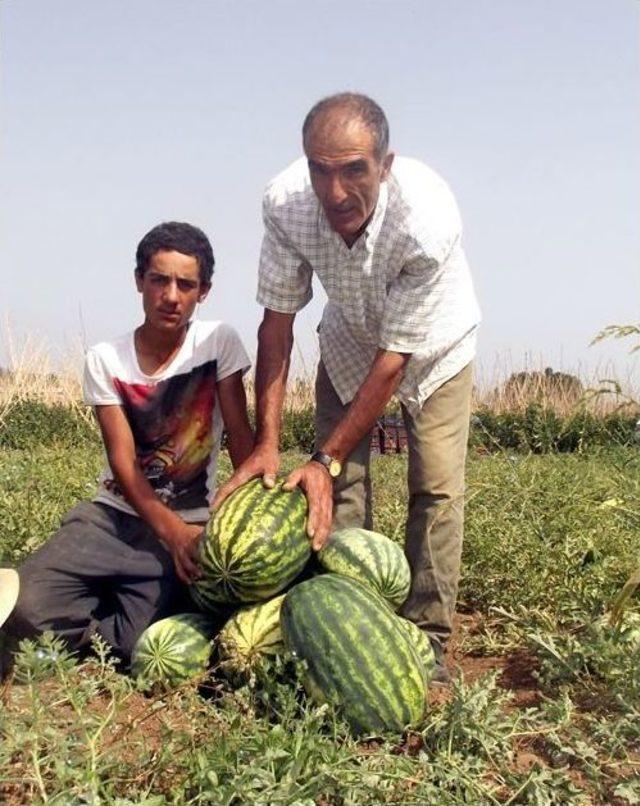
275, 340
377, 389
233, 405
181, 538
373, 395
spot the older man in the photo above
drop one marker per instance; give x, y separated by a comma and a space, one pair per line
383, 237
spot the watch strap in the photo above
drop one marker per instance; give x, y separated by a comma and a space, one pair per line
322, 458
333, 465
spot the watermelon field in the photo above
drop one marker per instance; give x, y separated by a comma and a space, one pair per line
545, 708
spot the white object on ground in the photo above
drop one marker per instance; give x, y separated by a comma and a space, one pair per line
9, 587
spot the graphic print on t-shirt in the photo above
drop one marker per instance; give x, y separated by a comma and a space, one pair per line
172, 426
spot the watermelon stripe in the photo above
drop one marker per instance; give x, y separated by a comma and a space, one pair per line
357, 654
255, 545
297, 626
384, 671
224, 525
251, 506
322, 673
347, 656
319, 673
352, 658
421, 644
236, 527
251, 635
370, 558
173, 650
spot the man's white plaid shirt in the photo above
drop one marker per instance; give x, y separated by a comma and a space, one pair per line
404, 285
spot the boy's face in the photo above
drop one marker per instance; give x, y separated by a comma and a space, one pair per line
171, 288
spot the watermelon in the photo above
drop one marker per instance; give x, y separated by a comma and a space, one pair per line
173, 650
356, 653
422, 645
253, 547
371, 558
249, 637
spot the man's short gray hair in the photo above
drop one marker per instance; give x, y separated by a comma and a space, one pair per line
354, 105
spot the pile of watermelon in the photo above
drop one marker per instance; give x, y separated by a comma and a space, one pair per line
340, 624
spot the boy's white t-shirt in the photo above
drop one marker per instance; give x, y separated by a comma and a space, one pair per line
174, 416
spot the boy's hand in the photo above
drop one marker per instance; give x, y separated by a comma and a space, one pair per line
263, 461
315, 480
183, 545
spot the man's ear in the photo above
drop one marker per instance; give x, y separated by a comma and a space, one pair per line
138, 277
387, 162
204, 291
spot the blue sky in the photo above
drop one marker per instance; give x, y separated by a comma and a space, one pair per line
117, 115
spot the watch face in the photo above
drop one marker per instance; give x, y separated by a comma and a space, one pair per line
335, 468
333, 465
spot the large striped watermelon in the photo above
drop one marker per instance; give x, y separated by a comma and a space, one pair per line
250, 636
422, 644
253, 547
173, 650
371, 558
357, 654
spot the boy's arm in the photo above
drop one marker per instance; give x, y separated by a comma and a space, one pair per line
233, 405
180, 538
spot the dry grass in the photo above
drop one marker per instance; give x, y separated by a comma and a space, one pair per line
506, 388
32, 375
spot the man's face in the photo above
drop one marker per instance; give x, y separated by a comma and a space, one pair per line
171, 288
345, 173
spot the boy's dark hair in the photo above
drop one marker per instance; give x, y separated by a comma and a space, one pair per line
176, 236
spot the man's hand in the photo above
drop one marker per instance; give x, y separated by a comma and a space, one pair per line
315, 480
262, 462
183, 545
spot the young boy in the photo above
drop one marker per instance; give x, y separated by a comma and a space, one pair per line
161, 395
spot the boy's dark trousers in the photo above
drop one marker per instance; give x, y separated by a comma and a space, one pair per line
104, 572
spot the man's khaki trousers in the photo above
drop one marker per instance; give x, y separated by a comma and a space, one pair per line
437, 443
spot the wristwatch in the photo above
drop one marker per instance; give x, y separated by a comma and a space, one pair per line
333, 465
